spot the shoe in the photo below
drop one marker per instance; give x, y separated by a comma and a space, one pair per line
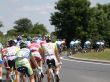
57, 78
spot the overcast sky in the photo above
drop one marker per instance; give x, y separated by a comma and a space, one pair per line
35, 10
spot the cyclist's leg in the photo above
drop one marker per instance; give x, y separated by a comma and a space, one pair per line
58, 68
39, 62
32, 78
17, 76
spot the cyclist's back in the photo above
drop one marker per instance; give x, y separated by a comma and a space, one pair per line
22, 61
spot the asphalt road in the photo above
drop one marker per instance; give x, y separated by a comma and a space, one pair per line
75, 71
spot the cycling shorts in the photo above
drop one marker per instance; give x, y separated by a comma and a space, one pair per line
24, 70
50, 62
11, 63
24, 63
51, 58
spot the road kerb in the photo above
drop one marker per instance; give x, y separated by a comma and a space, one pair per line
89, 60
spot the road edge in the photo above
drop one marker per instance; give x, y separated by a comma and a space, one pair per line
89, 60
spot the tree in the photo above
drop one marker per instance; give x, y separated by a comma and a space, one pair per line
12, 32
39, 29
71, 18
23, 25
99, 23
1, 24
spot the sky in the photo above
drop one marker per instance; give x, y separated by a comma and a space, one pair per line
35, 10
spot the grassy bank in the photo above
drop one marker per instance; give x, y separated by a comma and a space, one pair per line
95, 55
4, 39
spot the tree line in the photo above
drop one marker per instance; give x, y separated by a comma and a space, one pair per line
78, 19
72, 19
24, 26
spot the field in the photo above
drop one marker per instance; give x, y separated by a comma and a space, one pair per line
104, 55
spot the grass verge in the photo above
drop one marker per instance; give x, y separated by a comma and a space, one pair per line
104, 55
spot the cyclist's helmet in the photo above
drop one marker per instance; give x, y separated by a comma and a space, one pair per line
29, 38
23, 45
11, 43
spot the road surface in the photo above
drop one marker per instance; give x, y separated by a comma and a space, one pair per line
77, 71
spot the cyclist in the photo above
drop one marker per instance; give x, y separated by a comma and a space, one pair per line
51, 55
19, 40
9, 56
22, 62
64, 44
28, 40
1, 47
99, 45
39, 38
87, 46
72, 44
59, 45
36, 52
72, 47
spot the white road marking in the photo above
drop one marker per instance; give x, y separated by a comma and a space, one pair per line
84, 61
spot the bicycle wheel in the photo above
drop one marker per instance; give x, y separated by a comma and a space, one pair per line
39, 77
57, 78
12, 78
52, 76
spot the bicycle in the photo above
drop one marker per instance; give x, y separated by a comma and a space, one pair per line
12, 76
38, 76
53, 76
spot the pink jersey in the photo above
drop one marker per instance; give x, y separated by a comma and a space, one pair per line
43, 42
34, 47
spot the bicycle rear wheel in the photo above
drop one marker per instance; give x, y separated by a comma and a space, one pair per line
39, 77
52, 76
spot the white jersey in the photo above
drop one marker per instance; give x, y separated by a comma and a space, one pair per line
58, 42
11, 52
24, 52
49, 48
87, 42
72, 42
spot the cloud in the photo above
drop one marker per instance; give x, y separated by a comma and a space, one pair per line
42, 9
1, 17
94, 2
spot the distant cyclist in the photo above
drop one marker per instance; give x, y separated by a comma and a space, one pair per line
51, 55
59, 45
87, 46
100, 45
28, 40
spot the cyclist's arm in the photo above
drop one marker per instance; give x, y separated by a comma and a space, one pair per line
57, 54
32, 59
41, 53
